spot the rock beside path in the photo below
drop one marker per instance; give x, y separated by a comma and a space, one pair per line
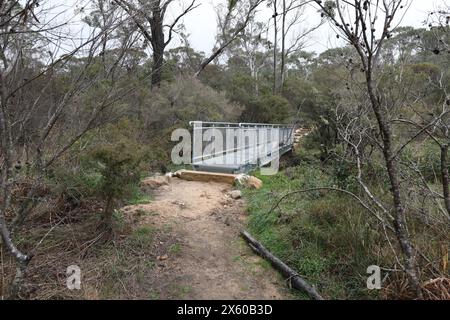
152, 183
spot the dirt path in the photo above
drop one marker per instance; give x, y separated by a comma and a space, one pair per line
207, 259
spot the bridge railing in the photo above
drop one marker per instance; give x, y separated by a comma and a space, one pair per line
226, 143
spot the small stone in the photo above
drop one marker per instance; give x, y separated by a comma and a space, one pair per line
163, 257
236, 194
180, 204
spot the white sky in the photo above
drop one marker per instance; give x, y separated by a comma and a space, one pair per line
201, 23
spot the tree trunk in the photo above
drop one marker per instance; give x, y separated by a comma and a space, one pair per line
400, 227
158, 44
208, 60
157, 68
445, 177
275, 47
283, 46
16, 285
107, 214
256, 82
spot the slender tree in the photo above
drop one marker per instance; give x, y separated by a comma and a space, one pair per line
275, 46
366, 25
294, 25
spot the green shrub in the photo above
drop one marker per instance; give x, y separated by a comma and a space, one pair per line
307, 155
119, 166
430, 162
426, 158
344, 174
267, 109
75, 183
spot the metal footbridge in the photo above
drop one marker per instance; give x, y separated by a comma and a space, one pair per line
238, 147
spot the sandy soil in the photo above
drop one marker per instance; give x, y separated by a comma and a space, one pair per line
209, 260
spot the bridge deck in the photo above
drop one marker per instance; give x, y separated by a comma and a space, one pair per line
245, 153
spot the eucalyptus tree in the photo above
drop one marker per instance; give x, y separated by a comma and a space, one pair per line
253, 48
151, 19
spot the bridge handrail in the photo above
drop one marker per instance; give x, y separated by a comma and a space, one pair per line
208, 122
242, 124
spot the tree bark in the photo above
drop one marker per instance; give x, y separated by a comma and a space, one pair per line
296, 281
107, 214
275, 47
156, 34
445, 177
399, 222
158, 44
214, 55
283, 46
16, 285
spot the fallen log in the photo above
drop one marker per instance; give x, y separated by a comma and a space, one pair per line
296, 281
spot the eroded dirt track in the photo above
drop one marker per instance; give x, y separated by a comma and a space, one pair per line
208, 260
